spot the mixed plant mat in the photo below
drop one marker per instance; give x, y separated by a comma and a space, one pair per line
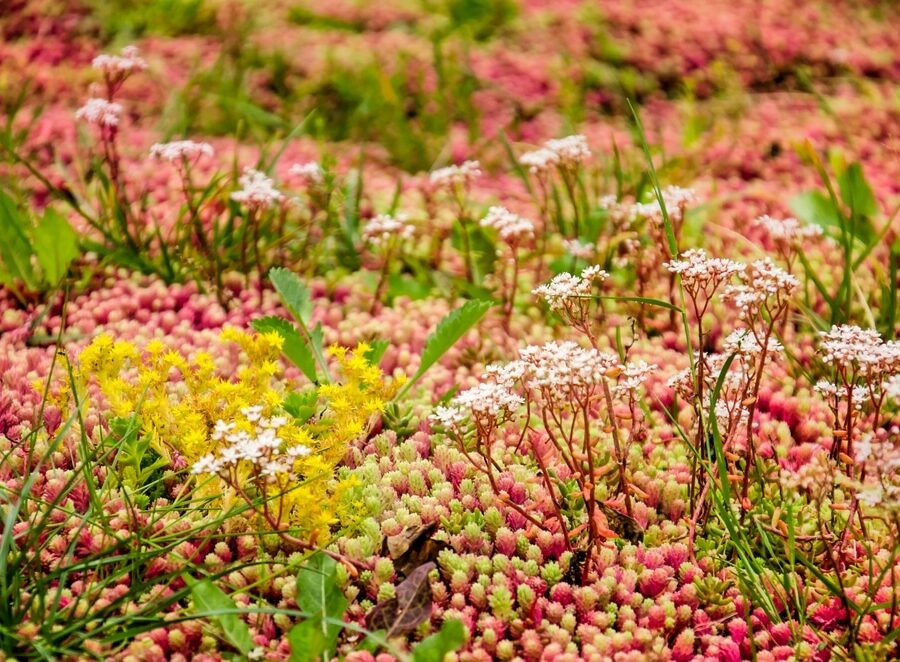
449, 330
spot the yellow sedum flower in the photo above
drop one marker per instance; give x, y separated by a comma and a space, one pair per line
180, 400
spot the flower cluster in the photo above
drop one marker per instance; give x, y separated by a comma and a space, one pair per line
179, 151
257, 190
578, 249
568, 153
512, 228
128, 62
456, 175
565, 287
788, 230
259, 446
849, 347
101, 112
676, 200
765, 286
384, 229
701, 274
312, 172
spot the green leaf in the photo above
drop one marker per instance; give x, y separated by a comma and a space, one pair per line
293, 293
301, 405
815, 207
377, 348
448, 639
450, 329
15, 248
307, 642
295, 346
209, 598
320, 597
856, 192
56, 245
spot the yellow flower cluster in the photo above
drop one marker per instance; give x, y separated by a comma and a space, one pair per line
178, 401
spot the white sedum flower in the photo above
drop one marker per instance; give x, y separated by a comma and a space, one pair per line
100, 112
257, 190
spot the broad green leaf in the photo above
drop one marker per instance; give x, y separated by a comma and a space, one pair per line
307, 641
209, 598
56, 245
293, 293
815, 207
450, 329
856, 192
15, 248
320, 597
295, 346
448, 639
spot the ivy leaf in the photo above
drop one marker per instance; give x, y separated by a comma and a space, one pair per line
210, 599
409, 609
450, 329
295, 346
448, 639
293, 293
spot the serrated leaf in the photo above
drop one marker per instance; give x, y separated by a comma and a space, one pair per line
448, 639
56, 245
856, 192
295, 346
15, 247
450, 329
320, 597
409, 609
294, 294
209, 598
377, 348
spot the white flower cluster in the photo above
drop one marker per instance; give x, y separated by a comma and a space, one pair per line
743, 343
262, 447
312, 172
180, 150
115, 65
462, 175
512, 228
702, 273
383, 228
578, 249
633, 376
555, 372
563, 367
764, 281
675, 199
257, 190
788, 229
568, 152
858, 394
486, 403
100, 112
566, 286
848, 346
